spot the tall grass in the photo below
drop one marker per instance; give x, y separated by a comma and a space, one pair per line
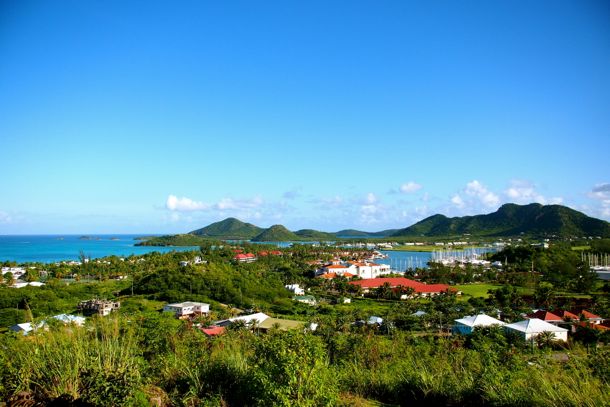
97, 364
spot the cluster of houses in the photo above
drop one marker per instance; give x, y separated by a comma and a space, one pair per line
258, 321
28, 327
88, 308
534, 324
250, 257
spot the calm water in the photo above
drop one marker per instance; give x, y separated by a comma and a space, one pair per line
54, 248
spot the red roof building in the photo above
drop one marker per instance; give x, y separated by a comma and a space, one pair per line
213, 330
395, 282
545, 316
567, 315
589, 316
245, 258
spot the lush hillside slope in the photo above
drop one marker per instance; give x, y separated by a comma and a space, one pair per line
276, 233
229, 228
512, 220
311, 234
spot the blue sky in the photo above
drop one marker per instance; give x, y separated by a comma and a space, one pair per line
143, 117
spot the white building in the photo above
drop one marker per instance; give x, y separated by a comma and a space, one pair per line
295, 288
252, 319
364, 270
530, 328
187, 308
466, 325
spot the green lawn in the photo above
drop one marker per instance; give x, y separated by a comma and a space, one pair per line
481, 289
476, 290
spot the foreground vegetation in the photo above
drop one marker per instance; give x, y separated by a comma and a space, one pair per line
141, 356
158, 360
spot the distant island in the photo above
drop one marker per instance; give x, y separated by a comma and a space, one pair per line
532, 220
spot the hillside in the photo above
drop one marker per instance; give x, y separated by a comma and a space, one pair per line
229, 228
311, 234
276, 233
513, 220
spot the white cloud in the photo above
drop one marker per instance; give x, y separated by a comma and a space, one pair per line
184, 204
523, 192
457, 201
410, 187
479, 191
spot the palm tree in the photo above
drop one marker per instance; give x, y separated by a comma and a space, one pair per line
545, 339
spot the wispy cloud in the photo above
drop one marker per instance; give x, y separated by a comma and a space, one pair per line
410, 187
292, 194
601, 193
5, 218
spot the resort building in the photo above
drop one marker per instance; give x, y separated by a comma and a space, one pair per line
401, 283
365, 270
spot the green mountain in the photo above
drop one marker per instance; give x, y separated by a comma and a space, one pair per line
229, 228
353, 233
512, 220
311, 234
276, 233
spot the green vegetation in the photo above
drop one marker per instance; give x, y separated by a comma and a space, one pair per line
513, 220
140, 356
476, 290
173, 240
229, 229
276, 233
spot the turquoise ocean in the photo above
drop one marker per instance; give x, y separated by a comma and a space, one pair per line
55, 248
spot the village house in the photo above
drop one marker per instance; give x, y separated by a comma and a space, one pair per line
262, 322
546, 316
27, 327
99, 307
466, 325
530, 328
188, 308
305, 299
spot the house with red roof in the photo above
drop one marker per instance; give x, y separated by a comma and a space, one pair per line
419, 289
245, 258
546, 316
567, 315
213, 330
591, 317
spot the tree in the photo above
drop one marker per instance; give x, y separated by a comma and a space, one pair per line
544, 294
